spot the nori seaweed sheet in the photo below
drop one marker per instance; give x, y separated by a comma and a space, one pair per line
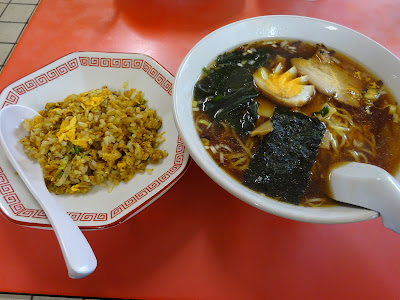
281, 167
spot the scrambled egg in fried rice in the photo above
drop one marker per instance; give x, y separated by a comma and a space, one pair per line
96, 137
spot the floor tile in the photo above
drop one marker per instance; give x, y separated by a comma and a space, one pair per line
5, 49
2, 7
17, 13
25, 1
5, 1
9, 32
14, 297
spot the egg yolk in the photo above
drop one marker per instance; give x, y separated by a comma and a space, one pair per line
283, 85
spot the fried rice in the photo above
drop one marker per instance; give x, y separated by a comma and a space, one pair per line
100, 137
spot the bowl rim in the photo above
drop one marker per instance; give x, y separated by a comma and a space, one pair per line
318, 215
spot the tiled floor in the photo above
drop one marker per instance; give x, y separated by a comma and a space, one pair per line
14, 15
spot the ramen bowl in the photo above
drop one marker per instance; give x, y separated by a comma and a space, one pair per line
359, 48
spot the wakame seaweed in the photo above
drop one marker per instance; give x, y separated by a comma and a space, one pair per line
227, 94
249, 59
281, 167
227, 91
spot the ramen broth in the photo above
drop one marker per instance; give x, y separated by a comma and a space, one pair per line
368, 133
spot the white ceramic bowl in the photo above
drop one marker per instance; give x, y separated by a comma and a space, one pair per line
362, 49
79, 72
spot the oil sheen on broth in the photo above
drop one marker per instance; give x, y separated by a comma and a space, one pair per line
247, 98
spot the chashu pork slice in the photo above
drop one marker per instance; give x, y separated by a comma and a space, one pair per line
330, 79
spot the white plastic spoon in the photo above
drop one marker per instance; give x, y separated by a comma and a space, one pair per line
368, 186
78, 254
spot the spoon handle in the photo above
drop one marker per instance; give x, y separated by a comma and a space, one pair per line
78, 255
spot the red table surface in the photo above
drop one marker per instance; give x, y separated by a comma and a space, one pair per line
197, 241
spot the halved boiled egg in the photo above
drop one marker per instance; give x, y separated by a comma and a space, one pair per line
284, 88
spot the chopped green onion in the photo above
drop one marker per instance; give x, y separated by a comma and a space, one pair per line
63, 163
59, 174
205, 70
76, 149
323, 111
194, 103
204, 122
142, 101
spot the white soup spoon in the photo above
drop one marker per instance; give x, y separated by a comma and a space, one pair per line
78, 254
370, 187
